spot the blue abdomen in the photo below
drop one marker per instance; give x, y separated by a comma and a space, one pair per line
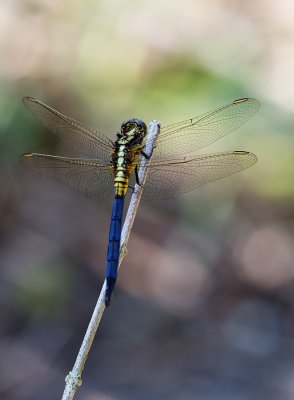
113, 247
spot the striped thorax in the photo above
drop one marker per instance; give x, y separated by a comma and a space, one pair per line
126, 153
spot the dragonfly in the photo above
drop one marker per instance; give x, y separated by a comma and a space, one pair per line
106, 168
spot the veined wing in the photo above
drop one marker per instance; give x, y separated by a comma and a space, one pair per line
171, 178
93, 179
193, 134
86, 141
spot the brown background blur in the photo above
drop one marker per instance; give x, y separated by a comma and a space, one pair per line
204, 303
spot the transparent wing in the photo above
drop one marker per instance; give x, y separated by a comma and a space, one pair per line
85, 176
193, 134
87, 142
171, 178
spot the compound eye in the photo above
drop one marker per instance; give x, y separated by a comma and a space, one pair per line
126, 127
133, 126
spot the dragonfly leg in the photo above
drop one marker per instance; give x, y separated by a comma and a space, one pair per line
137, 176
137, 179
146, 155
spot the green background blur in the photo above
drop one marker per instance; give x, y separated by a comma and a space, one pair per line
204, 303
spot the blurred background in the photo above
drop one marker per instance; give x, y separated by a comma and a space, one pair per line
204, 303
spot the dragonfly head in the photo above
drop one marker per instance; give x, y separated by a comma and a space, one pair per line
133, 129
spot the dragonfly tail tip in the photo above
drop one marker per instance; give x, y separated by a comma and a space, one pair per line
107, 300
109, 290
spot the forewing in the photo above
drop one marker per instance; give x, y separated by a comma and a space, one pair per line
86, 141
193, 134
171, 178
88, 177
